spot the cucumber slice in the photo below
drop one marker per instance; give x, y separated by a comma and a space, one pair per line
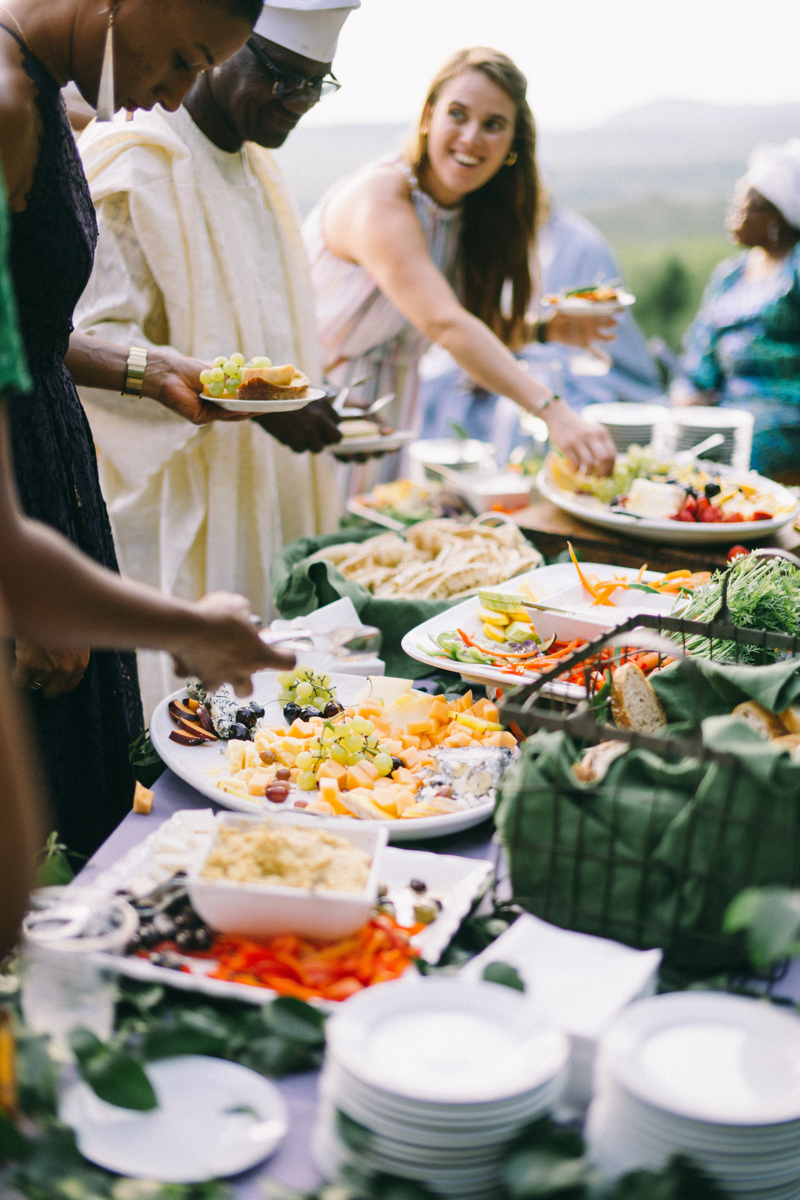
517, 632
502, 601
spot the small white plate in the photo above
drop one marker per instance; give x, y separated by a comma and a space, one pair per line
265, 407
373, 445
600, 308
708, 1057
215, 1119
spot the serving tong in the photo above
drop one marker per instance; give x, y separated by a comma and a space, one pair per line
346, 642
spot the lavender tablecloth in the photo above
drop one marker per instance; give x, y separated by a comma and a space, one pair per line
293, 1164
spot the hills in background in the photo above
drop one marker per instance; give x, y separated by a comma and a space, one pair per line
663, 169
655, 180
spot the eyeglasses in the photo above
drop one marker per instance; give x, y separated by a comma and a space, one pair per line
291, 83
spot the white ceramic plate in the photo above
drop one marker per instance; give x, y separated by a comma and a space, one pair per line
571, 614
373, 445
677, 532
214, 1119
265, 407
708, 1057
191, 764
445, 1042
581, 307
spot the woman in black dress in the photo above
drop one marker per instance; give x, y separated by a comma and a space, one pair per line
86, 706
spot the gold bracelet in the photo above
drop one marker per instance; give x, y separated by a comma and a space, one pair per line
134, 372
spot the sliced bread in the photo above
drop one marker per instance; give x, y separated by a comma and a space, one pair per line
634, 704
763, 722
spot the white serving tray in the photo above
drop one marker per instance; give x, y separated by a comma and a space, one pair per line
454, 880
676, 532
192, 763
569, 613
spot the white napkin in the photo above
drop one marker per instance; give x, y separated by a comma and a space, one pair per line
574, 982
339, 615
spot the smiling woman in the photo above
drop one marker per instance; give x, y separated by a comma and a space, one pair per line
88, 704
423, 247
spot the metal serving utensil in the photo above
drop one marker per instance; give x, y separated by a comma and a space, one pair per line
375, 407
346, 642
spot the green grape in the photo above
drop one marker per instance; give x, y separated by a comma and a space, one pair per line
372, 741
353, 757
238, 359
304, 760
219, 361
315, 745
338, 753
215, 389
304, 691
306, 781
218, 375
383, 764
262, 361
284, 696
353, 742
320, 701
383, 748
325, 680
286, 678
230, 368
328, 736
230, 390
304, 673
206, 376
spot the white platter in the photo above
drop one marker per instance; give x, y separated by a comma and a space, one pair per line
384, 444
600, 308
191, 764
677, 532
568, 616
265, 407
195, 1134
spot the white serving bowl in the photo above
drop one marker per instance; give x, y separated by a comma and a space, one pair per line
483, 492
260, 910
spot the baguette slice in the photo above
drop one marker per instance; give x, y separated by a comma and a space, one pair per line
596, 761
763, 722
790, 718
787, 741
634, 704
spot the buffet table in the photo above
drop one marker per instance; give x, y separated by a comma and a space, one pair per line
549, 528
292, 1164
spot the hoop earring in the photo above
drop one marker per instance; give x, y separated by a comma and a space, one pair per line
105, 95
512, 158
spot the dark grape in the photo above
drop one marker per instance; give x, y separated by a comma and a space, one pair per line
187, 919
203, 938
291, 711
396, 763
332, 708
283, 773
148, 937
245, 717
307, 713
240, 732
256, 709
712, 489
417, 885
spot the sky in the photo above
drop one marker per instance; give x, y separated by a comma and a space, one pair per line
585, 59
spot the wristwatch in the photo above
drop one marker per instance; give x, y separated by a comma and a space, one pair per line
134, 372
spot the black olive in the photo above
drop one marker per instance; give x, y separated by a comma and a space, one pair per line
148, 936
291, 711
240, 732
256, 709
417, 885
187, 919
187, 940
245, 717
203, 938
712, 489
332, 708
396, 763
308, 713
165, 958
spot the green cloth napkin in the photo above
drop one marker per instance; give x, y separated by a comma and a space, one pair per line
653, 854
299, 587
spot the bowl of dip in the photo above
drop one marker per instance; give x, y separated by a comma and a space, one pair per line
285, 874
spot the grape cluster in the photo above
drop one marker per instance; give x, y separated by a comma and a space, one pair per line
224, 375
304, 689
347, 742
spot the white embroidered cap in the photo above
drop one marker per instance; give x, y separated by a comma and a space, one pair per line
309, 27
775, 172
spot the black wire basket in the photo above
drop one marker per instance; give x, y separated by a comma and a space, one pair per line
652, 851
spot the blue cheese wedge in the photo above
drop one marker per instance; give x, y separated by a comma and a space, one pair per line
473, 773
222, 705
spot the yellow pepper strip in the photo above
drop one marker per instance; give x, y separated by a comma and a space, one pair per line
591, 589
478, 723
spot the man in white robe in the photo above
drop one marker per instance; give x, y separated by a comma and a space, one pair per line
200, 250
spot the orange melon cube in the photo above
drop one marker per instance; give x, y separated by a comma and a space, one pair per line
417, 728
332, 770
409, 756
458, 740
508, 740
321, 806
492, 739
357, 778
328, 788
393, 746
258, 784
425, 742
369, 769
382, 727
463, 702
409, 739
403, 800
404, 776
439, 711
301, 729
369, 709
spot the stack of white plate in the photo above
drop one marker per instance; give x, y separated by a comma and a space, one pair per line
440, 1075
688, 426
628, 424
709, 1075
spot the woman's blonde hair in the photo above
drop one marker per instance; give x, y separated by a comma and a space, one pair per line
499, 219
